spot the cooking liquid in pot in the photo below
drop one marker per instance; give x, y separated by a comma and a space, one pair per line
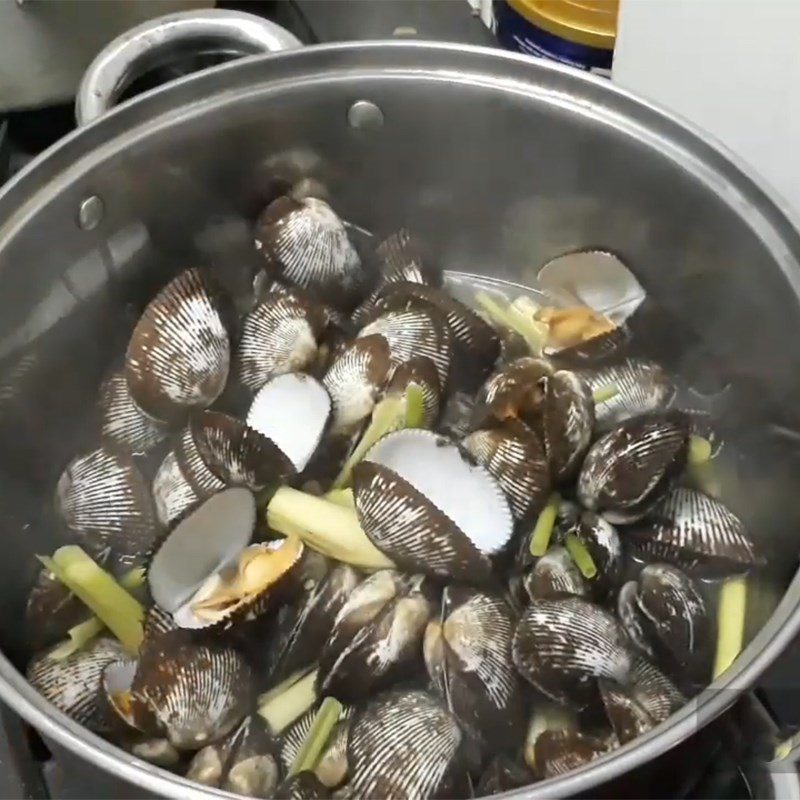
428, 544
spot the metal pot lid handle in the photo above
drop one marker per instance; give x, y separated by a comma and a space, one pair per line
153, 42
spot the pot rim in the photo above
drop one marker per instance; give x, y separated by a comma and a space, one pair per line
694, 149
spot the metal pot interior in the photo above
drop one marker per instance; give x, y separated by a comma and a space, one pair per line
498, 162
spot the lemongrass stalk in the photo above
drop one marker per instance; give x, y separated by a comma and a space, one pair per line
514, 318
288, 701
731, 611
414, 406
341, 497
580, 555
121, 613
317, 737
699, 450
324, 526
604, 393
543, 530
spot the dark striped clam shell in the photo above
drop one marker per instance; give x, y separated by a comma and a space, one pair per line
172, 493
414, 332
516, 459
179, 353
403, 257
653, 690
604, 347
279, 335
237, 454
560, 751
457, 415
303, 786
515, 392
404, 744
73, 685
603, 543
122, 422
628, 470
567, 422
305, 243
355, 380
627, 716
469, 652
642, 387
106, 502
690, 526
561, 646
421, 371
198, 693
632, 619
381, 651
252, 770
51, 611
447, 528
554, 575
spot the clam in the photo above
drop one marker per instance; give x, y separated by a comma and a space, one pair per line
106, 502
376, 637
627, 471
627, 716
642, 387
331, 769
292, 411
567, 422
502, 775
355, 380
122, 423
279, 335
601, 540
73, 684
127, 714
514, 456
172, 493
403, 258
554, 575
421, 371
196, 692
194, 467
468, 656
51, 611
206, 572
208, 764
303, 786
456, 420
577, 335
561, 751
515, 392
415, 332
561, 646
304, 242
631, 617
404, 744
179, 353
157, 751
547, 716
447, 528
653, 690
252, 769
688, 526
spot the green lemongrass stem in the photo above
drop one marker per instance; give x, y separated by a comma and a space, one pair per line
341, 497
543, 530
700, 467
94, 587
731, 610
317, 737
580, 555
324, 526
288, 701
604, 393
699, 450
414, 406
516, 319
81, 634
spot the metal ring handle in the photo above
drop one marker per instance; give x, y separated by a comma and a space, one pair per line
153, 42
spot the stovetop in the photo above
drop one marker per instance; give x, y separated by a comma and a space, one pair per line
741, 765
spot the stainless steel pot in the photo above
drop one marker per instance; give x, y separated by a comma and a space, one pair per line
501, 162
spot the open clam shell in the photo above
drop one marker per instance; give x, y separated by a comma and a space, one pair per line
690, 526
561, 646
515, 392
386, 648
468, 655
515, 457
73, 684
642, 387
236, 453
627, 471
197, 692
122, 422
304, 242
567, 422
404, 744
355, 380
106, 502
179, 353
560, 751
450, 528
554, 575
415, 332
279, 335
292, 410
421, 371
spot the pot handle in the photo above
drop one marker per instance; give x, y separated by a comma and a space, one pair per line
152, 43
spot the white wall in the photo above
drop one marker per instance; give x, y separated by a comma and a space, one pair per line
730, 66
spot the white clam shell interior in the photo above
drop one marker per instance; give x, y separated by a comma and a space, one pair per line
292, 410
465, 492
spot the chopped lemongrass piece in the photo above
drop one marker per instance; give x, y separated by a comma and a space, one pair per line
701, 468
81, 634
580, 555
543, 530
603, 393
516, 319
324, 526
414, 406
317, 737
288, 701
699, 450
341, 497
731, 610
121, 613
